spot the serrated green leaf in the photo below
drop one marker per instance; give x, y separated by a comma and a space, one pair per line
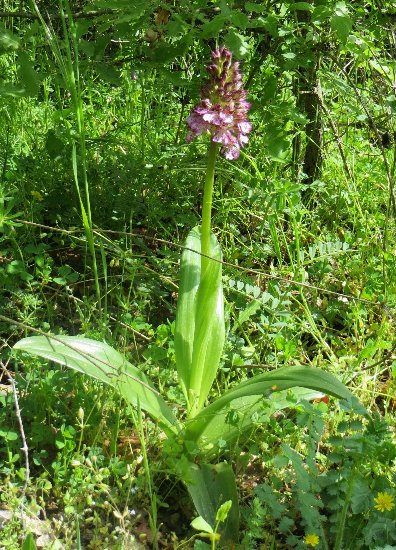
214, 26
101, 361
361, 496
239, 19
285, 524
237, 43
342, 26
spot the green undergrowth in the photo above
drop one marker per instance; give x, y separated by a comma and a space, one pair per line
309, 279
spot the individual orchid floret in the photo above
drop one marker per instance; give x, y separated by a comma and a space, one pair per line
223, 109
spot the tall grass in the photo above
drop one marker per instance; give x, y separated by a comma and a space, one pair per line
66, 55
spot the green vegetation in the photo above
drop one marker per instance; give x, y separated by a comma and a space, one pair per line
293, 444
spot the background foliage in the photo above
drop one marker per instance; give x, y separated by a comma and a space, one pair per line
306, 220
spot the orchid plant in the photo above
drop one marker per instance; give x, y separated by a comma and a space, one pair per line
200, 331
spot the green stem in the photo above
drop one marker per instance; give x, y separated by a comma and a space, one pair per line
71, 72
152, 495
341, 524
207, 207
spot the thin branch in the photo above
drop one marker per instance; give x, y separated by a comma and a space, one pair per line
263, 274
77, 15
373, 126
387, 356
24, 448
335, 132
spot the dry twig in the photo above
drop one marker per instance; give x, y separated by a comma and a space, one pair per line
24, 448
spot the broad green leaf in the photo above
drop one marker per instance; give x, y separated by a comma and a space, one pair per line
391, 102
382, 68
269, 23
255, 8
204, 427
321, 14
28, 543
301, 6
277, 142
246, 313
101, 361
199, 327
131, 7
341, 23
239, 417
190, 269
210, 486
27, 74
342, 26
165, 54
201, 525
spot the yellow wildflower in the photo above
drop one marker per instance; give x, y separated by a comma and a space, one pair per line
311, 539
384, 501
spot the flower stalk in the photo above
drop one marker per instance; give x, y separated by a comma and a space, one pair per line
222, 112
200, 326
207, 207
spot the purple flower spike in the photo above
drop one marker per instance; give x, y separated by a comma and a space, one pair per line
223, 109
